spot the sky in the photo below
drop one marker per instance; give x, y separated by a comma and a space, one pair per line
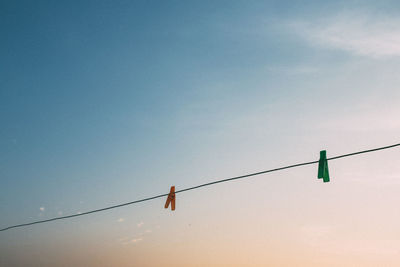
106, 102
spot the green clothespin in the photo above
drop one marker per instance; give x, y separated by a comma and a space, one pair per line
323, 167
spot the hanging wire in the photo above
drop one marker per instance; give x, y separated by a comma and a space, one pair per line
198, 186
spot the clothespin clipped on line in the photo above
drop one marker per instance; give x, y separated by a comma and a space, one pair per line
171, 198
323, 171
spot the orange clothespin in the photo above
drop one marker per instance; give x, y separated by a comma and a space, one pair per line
171, 199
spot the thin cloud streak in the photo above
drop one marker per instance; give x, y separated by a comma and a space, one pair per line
131, 241
366, 121
360, 34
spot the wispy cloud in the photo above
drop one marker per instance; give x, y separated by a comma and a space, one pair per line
367, 120
314, 234
131, 241
361, 34
364, 247
136, 237
316, 231
292, 70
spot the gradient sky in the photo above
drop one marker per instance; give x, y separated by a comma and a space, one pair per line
105, 102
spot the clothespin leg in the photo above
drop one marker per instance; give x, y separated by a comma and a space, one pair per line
326, 173
321, 164
173, 202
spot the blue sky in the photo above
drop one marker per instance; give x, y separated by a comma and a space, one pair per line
104, 102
